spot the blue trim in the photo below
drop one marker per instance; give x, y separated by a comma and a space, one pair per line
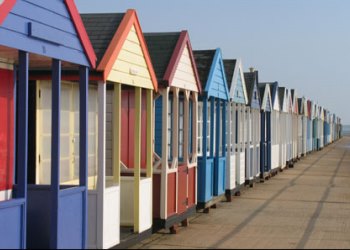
55, 150
22, 146
83, 146
262, 143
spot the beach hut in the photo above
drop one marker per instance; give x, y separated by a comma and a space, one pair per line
295, 125
175, 168
120, 204
275, 127
326, 127
289, 129
309, 126
36, 35
212, 120
315, 117
282, 126
302, 126
252, 171
265, 130
236, 128
320, 124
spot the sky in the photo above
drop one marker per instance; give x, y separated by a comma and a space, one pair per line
302, 44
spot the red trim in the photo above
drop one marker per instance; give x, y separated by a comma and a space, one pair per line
183, 41
83, 36
5, 9
117, 43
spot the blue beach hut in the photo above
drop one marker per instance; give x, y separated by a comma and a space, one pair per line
212, 126
252, 171
36, 35
265, 130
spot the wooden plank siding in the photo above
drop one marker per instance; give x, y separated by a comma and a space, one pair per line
47, 21
130, 67
217, 85
184, 77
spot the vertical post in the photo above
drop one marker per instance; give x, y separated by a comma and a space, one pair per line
137, 158
83, 143
194, 125
165, 153
205, 129
175, 140
55, 150
262, 143
22, 142
218, 130
212, 132
194, 137
223, 154
186, 127
116, 132
149, 133
101, 179
229, 146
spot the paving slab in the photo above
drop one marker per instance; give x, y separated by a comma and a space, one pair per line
307, 206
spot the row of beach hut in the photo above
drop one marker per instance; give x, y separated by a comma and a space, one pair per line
108, 134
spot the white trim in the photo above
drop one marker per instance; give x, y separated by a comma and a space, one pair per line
6, 195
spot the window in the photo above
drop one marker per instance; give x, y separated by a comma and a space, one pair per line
181, 129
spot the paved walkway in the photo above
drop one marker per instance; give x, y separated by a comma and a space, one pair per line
304, 207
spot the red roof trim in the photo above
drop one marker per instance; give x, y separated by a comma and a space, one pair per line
117, 42
176, 56
5, 9
83, 36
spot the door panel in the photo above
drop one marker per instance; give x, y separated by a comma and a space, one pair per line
182, 189
6, 129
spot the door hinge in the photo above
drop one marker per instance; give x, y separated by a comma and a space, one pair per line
39, 159
39, 93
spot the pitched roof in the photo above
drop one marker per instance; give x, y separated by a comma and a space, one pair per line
281, 92
161, 47
204, 60
229, 70
101, 29
262, 87
250, 79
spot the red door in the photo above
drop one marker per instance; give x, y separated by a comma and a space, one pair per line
182, 189
128, 128
6, 129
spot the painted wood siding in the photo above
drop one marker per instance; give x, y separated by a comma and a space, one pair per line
184, 77
268, 104
255, 103
130, 67
238, 96
45, 28
6, 130
218, 81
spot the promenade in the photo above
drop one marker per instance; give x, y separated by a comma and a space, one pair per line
307, 206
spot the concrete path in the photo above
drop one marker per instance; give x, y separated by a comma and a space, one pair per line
304, 207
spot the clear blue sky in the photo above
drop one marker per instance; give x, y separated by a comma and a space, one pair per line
302, 44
